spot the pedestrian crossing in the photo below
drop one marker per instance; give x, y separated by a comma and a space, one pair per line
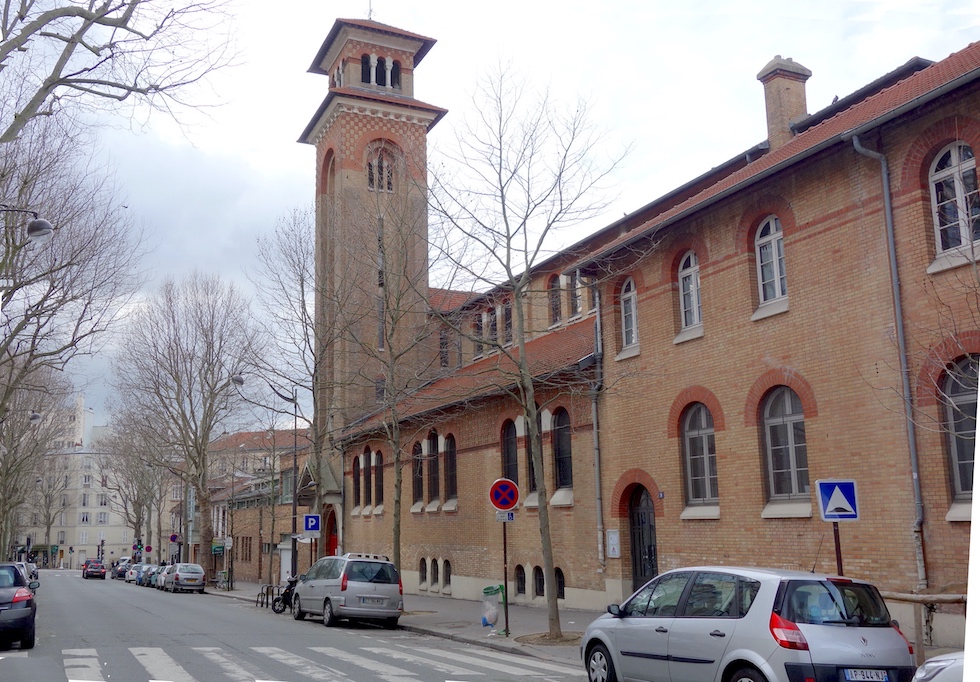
394, 662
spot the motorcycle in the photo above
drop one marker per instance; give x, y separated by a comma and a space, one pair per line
285, 600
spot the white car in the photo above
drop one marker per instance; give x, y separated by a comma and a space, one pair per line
728, 624
132, 572
941, 668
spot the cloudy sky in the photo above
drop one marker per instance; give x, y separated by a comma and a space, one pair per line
677, 81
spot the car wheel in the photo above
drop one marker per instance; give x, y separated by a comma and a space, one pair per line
747, 675
329, 617
27, 641
298, 613
599, 665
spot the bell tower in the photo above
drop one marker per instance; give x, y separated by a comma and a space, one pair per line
371, 218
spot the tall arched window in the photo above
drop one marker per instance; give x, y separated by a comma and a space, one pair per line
689, 285
450, 466
520, 580
423, 571
355, 476
381, 171
770, 268
538, 582
960, 413
561, 441
627, 312
381, 72
435, 572
532, 480
417, 472
785, 438
559, 583
508, 450
433, 457
955, 203
368, 488
447, 573
396, 75
700, 468
554, 300
379, 478
365, 68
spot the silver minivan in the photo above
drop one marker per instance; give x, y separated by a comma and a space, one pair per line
354, 586
728, 624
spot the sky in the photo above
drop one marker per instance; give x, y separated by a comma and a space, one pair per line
675, 81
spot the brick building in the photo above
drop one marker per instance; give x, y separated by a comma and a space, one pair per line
807, 310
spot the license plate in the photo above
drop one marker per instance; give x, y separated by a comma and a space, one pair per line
373, 601
865, 675
194, 580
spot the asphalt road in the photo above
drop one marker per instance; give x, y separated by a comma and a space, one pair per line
109, 631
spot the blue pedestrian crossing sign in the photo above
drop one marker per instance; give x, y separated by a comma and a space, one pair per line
838, 500
311, 522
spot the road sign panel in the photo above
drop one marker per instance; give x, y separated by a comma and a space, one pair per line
838, 500
505, 516
311, 522
504, 494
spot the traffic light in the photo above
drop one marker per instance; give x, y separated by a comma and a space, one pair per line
71, 550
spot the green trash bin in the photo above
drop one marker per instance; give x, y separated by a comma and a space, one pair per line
490, 601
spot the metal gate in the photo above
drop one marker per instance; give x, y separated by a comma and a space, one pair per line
643, 537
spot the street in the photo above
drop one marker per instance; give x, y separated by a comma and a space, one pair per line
109, 631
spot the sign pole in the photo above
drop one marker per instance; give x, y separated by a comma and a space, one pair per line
840, 560
506, 605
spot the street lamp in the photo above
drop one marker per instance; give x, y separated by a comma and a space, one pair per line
293, 549
38, 230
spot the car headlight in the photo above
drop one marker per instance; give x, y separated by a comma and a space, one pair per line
931, 668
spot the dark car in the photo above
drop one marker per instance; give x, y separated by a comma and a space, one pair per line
93, 569
17, 606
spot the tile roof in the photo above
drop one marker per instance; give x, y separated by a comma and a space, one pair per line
547, 355
447, 300
370, 25
369, 95
280, 439
919, 88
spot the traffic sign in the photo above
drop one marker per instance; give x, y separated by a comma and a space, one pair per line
838, 500
311, 523
506, 517
504, 494
148, 549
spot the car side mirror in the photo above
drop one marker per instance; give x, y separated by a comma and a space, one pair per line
302, 578
34, 584
614, 610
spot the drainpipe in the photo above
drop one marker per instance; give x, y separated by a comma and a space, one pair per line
903, 358
594, 392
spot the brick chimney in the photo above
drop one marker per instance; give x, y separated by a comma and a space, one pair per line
785, 85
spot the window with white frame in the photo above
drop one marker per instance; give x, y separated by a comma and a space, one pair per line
770, 267
689, 283
87, 481
955, 202
83, 518
554, 300
103, 518
785, 441
103, 500
561, 442
627, 312
61, 537
960, 414
574, 294
84, 499
83, 537
700, 465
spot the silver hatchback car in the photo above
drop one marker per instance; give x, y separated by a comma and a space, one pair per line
727, 624
354, 586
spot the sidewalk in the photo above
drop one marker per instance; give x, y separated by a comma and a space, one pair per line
459, 620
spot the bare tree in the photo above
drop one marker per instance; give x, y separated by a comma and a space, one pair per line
101, 53
177, 366
526, 169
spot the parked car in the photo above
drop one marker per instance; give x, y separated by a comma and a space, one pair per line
162, 576
185, 577
93, 569
32, 571
354, 586
18, 607
941, 668
22, 567
133, 571
119, 571
146, 577
725, 624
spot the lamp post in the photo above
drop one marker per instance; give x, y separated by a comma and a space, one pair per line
38, 230
294, 400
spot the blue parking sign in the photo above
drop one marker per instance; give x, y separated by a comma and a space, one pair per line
311, 522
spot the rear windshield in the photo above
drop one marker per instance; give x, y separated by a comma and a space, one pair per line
189, 568
831, 602
372, 572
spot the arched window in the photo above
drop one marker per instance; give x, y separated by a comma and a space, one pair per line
554, 300
433, 457
368, 488
785, 438
396, 75
574, 295
423, 571
435, 572
699, 455
689, 285
379, 479
380, 171
365, 68
538, 582
960, 414
770, 268
508, 450
532, 484
450, 466
447, 573
355, 476
955, 203
417, 472
478, 335
520, 580
381, 72
559, 583
561, 440
627, 312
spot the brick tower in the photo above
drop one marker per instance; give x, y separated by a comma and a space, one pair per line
371, 249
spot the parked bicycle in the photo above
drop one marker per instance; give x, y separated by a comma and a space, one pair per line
285, 600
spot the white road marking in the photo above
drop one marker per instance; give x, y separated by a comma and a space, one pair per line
459, 657
83, 666
387, 672
303, 666
230, 668
160, 666
528, 661
427, 662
